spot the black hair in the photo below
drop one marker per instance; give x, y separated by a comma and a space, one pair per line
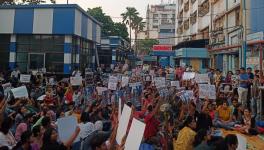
25, 137
188, 120
199, 137
36, 130
45, 121
231, 139
242, 68
47, 137
85, 117
6, 125
218, 143
98, 140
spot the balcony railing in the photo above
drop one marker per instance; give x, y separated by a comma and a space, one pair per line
193, 18
186, 6
186, 24
203, 8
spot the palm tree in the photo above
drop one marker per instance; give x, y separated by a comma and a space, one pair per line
128, 17
138, 26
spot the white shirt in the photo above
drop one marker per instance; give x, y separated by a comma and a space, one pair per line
15, 73
7, 140
86, 129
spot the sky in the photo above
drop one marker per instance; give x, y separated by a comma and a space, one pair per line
114, 8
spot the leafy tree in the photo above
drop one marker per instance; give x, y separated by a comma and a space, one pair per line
138, 26
128, 18
109, 27
145, 46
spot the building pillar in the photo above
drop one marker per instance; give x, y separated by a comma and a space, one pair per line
77, 57
229, 62
233, 63
12, 52
67, 54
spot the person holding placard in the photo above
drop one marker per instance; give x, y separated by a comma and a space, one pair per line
50, 140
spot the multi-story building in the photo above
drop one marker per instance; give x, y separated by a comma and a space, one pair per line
159, 23
192, 20
55, 37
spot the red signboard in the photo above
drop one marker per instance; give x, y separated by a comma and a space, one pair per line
162, 48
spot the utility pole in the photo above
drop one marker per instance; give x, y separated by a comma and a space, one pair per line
244, 41
67, 1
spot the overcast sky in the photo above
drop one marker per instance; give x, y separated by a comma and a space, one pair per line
114, 8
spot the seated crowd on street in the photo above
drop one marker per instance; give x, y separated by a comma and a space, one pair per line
180, 108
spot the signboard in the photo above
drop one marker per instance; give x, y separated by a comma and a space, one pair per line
175, 84
7, 87
206, 90
160, 82
162, 48
25, 78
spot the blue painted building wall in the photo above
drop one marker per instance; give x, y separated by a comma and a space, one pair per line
256, 15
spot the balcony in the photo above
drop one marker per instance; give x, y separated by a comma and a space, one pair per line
193, 18
186, 6
186, 24
203, 8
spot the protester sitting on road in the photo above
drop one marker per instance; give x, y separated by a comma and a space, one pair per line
224, 117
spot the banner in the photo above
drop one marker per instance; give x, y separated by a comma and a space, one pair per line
20, 92
25, 78
206, 90
76, 81
188, 75
202, 78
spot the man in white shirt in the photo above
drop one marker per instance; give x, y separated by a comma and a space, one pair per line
15, 73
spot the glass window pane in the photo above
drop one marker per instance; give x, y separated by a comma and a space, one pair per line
58, 39
52, 57
22, 66
22, 48
22, 57
23, 39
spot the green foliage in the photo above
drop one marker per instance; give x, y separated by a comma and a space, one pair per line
109, 28
145, 46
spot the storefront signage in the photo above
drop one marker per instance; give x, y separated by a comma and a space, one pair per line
162, 47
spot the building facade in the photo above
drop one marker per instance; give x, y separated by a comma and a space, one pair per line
55, 37
112, 50
158, 18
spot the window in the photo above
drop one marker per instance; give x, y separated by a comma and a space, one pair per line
155, 21
164, 15
155, 15
155, 26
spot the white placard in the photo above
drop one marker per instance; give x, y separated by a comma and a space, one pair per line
123, 123
188, 75
6, 87
160, 82
76, 81
242, 142
125, 81
51, 81
119, 108
112, 83
41, 98
20, 92
187, 95
100, 90
66, 127
175, 84
135, 135
206, 90
202, 78
25, 78
152, 72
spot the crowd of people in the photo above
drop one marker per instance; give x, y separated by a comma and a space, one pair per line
30, 123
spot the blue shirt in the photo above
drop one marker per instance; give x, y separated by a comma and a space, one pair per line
243, 77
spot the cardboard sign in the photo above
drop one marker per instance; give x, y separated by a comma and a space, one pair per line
206, 90
135, 135
112, 83
188, 75
148, 78
175, 84
25, 78
202, 78
187, 95
160, 82
41, 98
76, 81
124, 81
66, 127
123, 123
20, 92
